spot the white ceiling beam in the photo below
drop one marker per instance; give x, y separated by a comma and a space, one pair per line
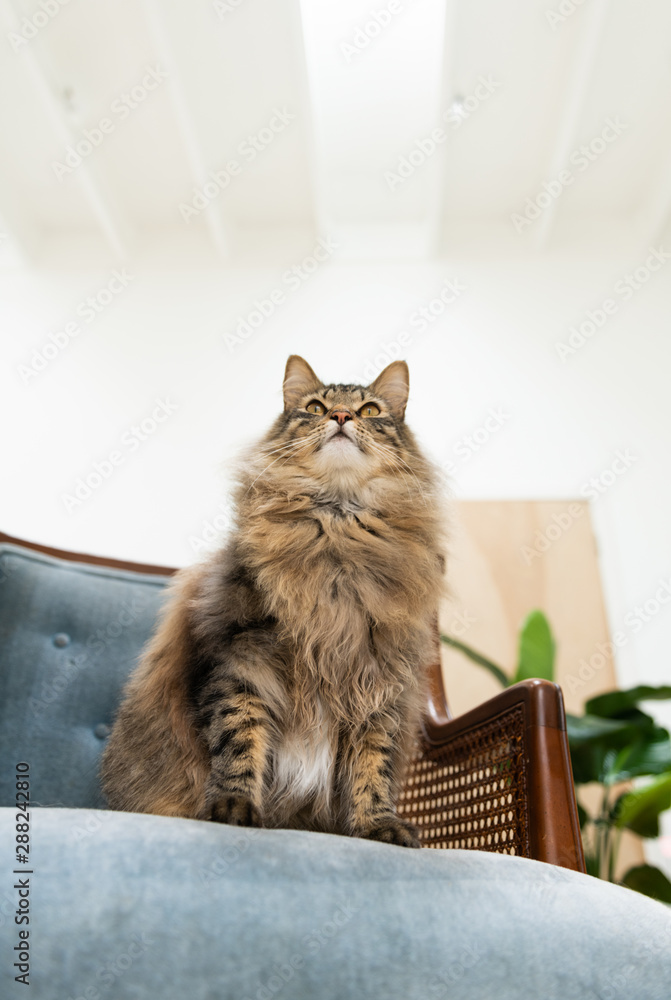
322, 223
375, 80
448, 93
576, 88
107, 215
185, 120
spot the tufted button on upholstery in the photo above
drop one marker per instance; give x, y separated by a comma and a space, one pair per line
61, 639
102, 730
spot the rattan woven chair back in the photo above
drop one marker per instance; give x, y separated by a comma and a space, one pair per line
497, 778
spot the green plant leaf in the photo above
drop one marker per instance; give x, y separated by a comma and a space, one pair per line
646, 756
594, 744
635, 717
650, 881
583, 816
592, 864
587, 763
591, 728
639, 810
478, 658
536, 649
613, 703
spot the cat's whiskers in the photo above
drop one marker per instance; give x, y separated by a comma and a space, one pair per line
386, 452
289, 444
297, 447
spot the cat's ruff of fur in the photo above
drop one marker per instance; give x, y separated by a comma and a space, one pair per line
285, 682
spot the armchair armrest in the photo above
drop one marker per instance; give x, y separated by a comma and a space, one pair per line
498, 778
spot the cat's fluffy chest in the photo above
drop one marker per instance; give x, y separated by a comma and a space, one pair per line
303, 764
331, 569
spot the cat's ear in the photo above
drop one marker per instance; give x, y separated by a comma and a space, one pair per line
393, 384
299, 379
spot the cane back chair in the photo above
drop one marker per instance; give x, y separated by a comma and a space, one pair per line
497, 778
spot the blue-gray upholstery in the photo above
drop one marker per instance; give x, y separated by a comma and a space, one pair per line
70, 634
126, 905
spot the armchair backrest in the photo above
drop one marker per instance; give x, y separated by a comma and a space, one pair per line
71, 629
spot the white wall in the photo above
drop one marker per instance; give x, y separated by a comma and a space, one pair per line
493, 348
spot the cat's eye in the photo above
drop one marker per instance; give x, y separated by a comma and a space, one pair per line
314, 406
369, 410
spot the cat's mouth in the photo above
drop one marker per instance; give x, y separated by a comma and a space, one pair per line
340, 437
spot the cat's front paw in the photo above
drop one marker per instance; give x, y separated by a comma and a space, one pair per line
392, 830
236, 810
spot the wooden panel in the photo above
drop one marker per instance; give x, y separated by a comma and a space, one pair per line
498, 574
507, 558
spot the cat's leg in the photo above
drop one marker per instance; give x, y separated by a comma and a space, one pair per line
236, 726
371, 762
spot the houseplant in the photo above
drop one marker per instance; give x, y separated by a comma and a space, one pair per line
613, 742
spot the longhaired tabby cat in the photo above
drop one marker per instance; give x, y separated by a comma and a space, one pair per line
285, 683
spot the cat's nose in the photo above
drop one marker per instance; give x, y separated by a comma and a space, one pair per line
341, 415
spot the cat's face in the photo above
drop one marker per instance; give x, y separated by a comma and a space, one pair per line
342, 434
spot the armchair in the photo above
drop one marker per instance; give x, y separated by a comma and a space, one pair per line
497, 779
129, 905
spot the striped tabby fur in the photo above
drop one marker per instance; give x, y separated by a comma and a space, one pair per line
285, 682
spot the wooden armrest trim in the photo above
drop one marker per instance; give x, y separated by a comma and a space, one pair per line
83, 557
540, 699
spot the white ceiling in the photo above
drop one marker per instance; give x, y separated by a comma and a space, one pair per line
554, 81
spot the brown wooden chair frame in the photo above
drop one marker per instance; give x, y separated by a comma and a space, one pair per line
497, 778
